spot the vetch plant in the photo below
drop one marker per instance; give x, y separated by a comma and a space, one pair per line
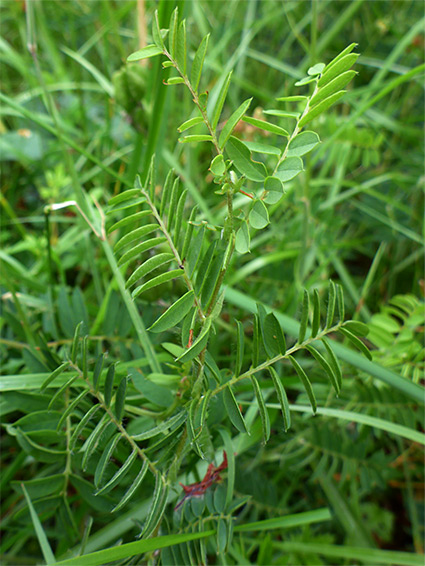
172, 426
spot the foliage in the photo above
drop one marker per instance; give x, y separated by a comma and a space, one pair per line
134, 364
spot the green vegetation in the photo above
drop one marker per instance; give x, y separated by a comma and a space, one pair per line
212, 304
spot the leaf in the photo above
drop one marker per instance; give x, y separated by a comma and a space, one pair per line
195, 251
218, 167
333, 361
274, 190
283, 399
126, 195
331, 305
156, 32
166, 191
198, 345
119, 475
239, 347
305, 81
49, 557
189, 232
343, 53
340, 302
242, 240
295, 98
283, 113
173, 202
333, 378
265, 148
159, 501
97, 371
303, 143
259, 216
316, 69
145, 53
273, 337
198, 62
75, 342
174, 81
221, 536
220, 101
356, 327
315, 325
133, 487
190, 123
306, 383
265, 420
304, 317
255, 352
289, 168
266, 126
58, 371
120, 399
134, 235
174, 314
172, 32
196, 138
320, 108
335, 85
156, 281
81, 425
241, 157
60, 391
337, 68
233, 410
93, 440
164, 427
104, 459
181, 47
356, 342
68, 411
148, 266
109, 384
232, 122
140, 248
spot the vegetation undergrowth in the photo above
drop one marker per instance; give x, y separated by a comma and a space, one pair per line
180, 382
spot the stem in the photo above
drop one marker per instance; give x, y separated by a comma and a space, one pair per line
278, 358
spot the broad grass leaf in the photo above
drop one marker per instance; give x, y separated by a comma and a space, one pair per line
282, 397
231, 123
289, 168
241, 157
233, 410
303, 143
174, 314
259, 216
306, 383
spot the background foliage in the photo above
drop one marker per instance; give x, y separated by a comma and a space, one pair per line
76, 117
